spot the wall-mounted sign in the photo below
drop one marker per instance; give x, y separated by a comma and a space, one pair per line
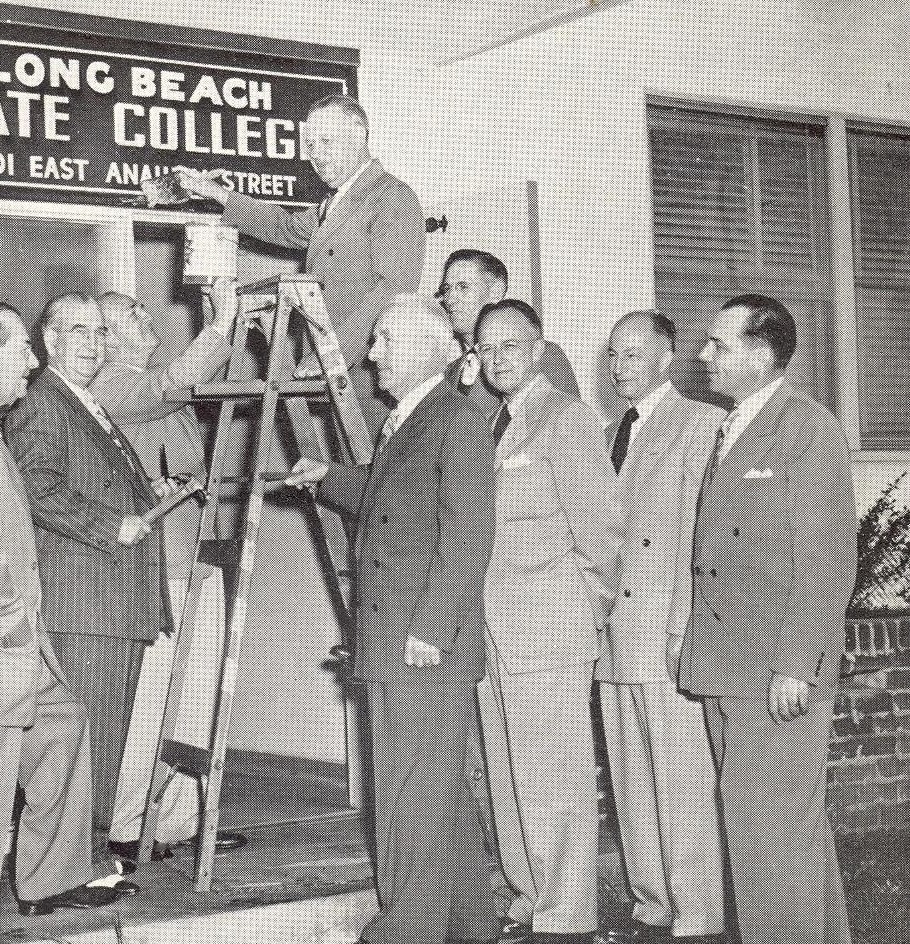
87, 115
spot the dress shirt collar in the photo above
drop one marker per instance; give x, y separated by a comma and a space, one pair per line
346, 186
518, 398
410, 401
85, 396
741, 416
646, 408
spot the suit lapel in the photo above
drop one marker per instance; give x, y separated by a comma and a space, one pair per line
104, 441
527, 419
655, 436
352, 198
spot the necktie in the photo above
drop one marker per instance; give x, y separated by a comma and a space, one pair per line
385, 434
623, 434
100, 414
323, 210
716, 454
503, 418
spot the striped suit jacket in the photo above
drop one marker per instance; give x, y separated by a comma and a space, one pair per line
81, 487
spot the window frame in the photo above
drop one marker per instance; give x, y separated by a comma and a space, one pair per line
835, 127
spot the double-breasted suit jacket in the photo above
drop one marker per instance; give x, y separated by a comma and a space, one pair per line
775, 556
554, 558
657, 494
367, 249
81, 486
424, 512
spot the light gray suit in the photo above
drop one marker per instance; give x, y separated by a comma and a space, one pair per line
546, 596
44, 743
774, 567
664, 781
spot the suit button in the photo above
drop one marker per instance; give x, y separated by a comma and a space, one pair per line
713, 572
646, 543
697, 571
330, 252
736, 532
627, 593
108, 483
374, 607
384, 519
376, 563
715, 615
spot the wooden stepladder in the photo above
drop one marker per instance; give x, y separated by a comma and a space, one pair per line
283, 295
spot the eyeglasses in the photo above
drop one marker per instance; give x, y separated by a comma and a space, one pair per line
84, 333
506, 348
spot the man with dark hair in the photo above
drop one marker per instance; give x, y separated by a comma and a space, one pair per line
364, 242
774, 567
548, 589
664, 781
104, 592
44, 744
472, 279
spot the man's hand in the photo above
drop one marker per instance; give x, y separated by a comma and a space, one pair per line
419, 653
308, 367
674, 650
133, 530
164, 487
788, 698
470, 370
202, 186
222, 296
306, 472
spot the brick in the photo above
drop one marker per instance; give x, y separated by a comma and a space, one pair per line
903, 743
853, 771
873, 704
899, 679
843, 795
876, 746
894, 766
897, 791
857, 821
895, 816
901, 701
846, 727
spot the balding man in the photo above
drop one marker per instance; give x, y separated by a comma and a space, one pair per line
164, 431
104, 590
664, 781
424, 512
364, 242
44, 745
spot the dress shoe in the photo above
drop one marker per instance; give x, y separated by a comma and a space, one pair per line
84, 896
631, 932
544, 937
126, 889
225, 840
514, 932
129, 851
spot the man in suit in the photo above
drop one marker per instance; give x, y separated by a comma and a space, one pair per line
424, 511
547, 592
774, 566
472, 278
44, 744
364, 242
102, 579
664, 781
165, 434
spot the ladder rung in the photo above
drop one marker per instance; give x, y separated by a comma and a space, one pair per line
227, 389
186, 758
270, 286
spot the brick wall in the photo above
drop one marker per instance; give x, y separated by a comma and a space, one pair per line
869, 774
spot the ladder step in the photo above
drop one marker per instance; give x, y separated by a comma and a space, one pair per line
186, 758
225, 389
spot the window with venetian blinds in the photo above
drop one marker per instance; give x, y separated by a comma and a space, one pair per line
740, 205
880, 193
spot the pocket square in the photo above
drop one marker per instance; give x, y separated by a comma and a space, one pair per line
759, 474
516, 462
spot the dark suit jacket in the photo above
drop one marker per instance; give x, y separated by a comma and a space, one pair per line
81, 487
554, 365
424, 513
370, 247
775, 556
